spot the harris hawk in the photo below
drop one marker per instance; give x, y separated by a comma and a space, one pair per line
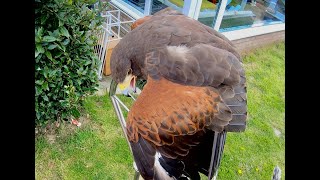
195, 86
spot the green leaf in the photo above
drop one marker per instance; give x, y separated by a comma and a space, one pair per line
49, 39
60, 23
52, 46
45, 74
51, 33
56, 33
63, 48
45, 97
80, 33
43, 19
36, 54
39, 82
64, 31
38, 115
87, 63
64, 114
54, 97
65, 42
46, 71
69, 2
38, 58
39, 48
58, 54
52, 85
66, 68
52, 73
45, 85
80, 70
85, 71
75, 112
48, 54
37, 39
89, 42
38, 90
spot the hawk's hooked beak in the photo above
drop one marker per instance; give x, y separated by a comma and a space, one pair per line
128, 84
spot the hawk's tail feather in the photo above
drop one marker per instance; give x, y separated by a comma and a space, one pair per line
143, 154
147, 162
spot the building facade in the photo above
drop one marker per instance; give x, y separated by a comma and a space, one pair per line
248, 23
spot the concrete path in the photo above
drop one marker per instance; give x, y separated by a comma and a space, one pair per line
104, 86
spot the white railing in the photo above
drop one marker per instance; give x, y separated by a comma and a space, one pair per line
113, 29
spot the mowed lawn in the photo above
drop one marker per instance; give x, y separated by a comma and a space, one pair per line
98, 149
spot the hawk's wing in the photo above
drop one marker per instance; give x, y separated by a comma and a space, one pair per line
204, 65
165, 110
201, 65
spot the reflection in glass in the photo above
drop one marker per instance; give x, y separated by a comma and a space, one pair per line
157, 5
241, 14
137, 4
208, 12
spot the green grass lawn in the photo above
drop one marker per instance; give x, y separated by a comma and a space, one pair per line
98, 149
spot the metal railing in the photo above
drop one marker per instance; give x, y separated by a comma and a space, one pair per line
113, 29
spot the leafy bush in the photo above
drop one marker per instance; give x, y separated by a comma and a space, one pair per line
65, 63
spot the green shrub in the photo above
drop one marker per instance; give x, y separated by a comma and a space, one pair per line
65, 63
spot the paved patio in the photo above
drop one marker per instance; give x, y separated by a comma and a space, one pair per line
104, 86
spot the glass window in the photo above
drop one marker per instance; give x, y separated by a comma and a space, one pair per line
137, 4
208, 12
158, 5
241, 14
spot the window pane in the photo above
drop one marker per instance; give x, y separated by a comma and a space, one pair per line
241, 14
137, 4
208, 12
158, 5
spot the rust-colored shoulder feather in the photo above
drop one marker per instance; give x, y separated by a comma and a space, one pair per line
166, 110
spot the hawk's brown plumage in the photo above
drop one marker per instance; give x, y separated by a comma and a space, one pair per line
195, 85
165, 110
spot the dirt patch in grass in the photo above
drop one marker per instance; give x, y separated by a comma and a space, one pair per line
60, 129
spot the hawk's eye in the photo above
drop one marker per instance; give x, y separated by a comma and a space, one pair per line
130, 71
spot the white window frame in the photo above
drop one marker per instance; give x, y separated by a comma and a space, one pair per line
128, 9
219, 16
191, 8
253, 31
147, 7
